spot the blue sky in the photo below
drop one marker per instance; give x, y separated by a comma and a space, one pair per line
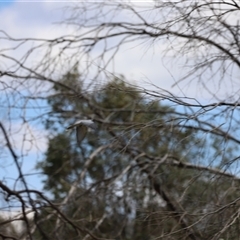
6, 3
38, 19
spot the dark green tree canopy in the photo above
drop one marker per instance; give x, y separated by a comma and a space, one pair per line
131, 171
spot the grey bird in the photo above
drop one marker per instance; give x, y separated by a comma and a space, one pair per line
82, 128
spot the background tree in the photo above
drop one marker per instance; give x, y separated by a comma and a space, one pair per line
164, 165
137, 172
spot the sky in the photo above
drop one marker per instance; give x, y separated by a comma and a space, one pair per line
38, 19
25, 19
5, 4
140, 64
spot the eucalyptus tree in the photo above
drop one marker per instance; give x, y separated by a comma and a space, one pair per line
163, 163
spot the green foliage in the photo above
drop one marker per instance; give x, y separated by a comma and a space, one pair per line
132, 124
61, 160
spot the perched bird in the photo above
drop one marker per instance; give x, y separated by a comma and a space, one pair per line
82, 128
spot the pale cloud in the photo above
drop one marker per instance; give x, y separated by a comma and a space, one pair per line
17, 225
141, 63
25, 19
